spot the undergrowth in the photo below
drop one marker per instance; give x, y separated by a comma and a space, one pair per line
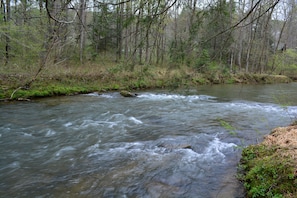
266, 173
71, 79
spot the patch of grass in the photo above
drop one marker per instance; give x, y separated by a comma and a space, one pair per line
66, 79
266, 173
49, 90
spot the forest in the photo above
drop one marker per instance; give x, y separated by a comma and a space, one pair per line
249, 36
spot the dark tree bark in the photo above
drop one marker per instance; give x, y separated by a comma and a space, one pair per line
5, 7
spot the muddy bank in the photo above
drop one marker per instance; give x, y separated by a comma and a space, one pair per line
269, 169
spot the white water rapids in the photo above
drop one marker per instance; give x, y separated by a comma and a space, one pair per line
159, 144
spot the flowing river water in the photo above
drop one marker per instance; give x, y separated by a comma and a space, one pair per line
163, 143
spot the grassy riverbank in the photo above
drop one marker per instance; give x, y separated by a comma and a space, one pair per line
68, 80
270, 168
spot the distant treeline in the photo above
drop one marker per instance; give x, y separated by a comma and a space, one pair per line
246, 36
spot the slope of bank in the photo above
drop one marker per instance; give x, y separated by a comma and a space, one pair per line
269, 169
14, 86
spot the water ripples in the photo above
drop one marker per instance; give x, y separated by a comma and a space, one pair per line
105, 145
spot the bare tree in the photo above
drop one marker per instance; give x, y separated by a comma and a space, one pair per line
82, 29
5, 8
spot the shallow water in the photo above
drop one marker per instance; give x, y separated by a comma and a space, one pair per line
180, 143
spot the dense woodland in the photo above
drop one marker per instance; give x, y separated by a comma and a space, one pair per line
255, 36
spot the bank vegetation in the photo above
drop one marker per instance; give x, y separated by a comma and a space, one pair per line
270, 168
239, 36
75, 46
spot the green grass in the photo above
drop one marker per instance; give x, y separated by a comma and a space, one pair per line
71, 79
266, 173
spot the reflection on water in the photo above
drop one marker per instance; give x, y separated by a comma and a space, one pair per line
160, 144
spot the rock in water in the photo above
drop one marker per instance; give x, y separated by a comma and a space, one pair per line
177, 146
127, 94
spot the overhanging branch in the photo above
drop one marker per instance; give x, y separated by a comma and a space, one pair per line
235, 26
55, 19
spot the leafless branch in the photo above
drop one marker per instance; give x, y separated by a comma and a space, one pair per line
235, 26
55, 19
115, 4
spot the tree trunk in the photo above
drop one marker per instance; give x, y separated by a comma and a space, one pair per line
119, 31
7, 39
82, 39
5, 7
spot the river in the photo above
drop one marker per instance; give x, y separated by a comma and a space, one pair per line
163, 143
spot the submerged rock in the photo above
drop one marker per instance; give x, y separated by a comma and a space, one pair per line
128, 94
177, 146
23, 99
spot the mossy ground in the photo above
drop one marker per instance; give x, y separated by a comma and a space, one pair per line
269, 169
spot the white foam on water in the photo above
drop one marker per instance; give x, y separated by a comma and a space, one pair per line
215, 150
96, 123
92, 94
64, 150
158, 96
50, 133
117, 117
112, 124
131, 148
255, 106
27, 134
95, 94
68, 124
292, 110
106, 113
205, 97
5, 129
190, 98
136, 121
15, 164
88, 123
80, 125
106, 96
106, 120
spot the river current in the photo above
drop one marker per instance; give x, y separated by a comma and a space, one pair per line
163, 143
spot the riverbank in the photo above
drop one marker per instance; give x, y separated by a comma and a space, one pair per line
69, 81
270, 168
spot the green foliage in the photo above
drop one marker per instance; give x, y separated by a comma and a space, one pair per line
285, 62
116, 69
103, 29
177, 51
228, 127
202, 62
266, 173
200, 79
216, 20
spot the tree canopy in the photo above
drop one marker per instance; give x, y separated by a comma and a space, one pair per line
246, 36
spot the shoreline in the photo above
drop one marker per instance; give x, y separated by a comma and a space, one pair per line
13, 87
